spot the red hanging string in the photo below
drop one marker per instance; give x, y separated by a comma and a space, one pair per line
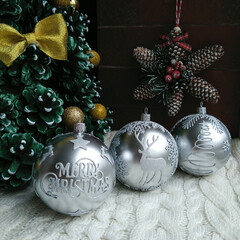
178, 11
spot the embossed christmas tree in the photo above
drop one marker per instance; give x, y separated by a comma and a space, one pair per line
201, 156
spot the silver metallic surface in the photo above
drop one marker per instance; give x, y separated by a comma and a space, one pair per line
145, 154
74, 174
204, 143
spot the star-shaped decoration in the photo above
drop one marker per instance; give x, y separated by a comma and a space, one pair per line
79, 142
171, 70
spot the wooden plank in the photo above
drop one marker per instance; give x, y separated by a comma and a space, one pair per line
142, 12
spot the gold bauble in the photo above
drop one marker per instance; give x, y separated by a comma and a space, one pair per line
71, 115
65, 3
99, 112
95, 60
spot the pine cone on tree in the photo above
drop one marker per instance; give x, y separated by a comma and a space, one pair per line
74, 91
42, 107
145, 57
144, 91
175, 103
203, 58
11, 11
203, 90
17, 154
8, 114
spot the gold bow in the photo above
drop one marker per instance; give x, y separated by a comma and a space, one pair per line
50, 35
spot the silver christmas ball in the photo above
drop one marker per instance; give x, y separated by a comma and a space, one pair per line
204, 143
145, 154
74, 174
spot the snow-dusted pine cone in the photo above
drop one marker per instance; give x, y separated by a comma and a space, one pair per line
41, 108
203, 90
18, 152
174, 51
8, 113
175, 103
145, 57
203, 58
143, 92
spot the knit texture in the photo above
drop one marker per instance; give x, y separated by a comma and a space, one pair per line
185, 207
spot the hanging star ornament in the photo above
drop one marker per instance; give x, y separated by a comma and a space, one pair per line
171, 69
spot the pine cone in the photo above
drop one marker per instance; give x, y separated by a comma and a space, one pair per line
174, 51
203, 58
42, 108
175, 103
145, 58
76, 90
17, 154
144, 92
181, 84
188, 75
10, 11
203, 90
8, 113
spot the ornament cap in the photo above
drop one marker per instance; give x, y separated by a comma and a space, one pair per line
145, 116
79, 127
201, 109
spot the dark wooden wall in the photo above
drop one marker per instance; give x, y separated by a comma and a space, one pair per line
124, 25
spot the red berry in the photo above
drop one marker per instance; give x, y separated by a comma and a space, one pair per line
168, 78
170, 69
176, 74
179, 65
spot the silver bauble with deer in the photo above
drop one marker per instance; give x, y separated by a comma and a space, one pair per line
74, 173
145, 154
204, 143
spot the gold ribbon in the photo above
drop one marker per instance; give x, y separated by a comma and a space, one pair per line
50, 36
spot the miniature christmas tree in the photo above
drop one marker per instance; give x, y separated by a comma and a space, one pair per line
37, 86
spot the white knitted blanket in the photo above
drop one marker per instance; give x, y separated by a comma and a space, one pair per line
186, 207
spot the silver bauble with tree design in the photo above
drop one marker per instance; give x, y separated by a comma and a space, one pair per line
204, 143
145, 154
74, 173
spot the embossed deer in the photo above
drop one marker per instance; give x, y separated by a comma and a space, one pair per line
150, 165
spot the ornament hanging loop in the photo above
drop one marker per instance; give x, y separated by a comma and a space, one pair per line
79, 127
145, 116
201, 109
178, 12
